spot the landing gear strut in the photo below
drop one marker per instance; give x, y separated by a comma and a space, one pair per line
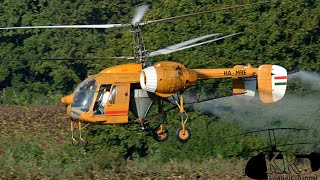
183, 133
76, 128
160, 133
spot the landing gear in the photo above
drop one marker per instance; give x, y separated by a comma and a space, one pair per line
83, 142
183, 134
76, 128
75, 142
160, 133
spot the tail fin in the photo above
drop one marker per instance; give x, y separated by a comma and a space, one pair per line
245, 87
272, 82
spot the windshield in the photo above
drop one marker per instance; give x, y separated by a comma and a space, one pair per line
83, 95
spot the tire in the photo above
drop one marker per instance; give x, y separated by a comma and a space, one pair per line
75, 142
160, 136
183, 136
83, 142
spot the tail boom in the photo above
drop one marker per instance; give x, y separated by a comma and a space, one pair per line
226, 73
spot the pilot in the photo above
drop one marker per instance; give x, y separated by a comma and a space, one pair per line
103, 99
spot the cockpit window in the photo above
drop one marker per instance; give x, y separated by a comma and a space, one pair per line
84, 95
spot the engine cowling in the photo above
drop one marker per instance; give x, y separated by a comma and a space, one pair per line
166, 78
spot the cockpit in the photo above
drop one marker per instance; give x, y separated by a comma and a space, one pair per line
84, 95
104, 98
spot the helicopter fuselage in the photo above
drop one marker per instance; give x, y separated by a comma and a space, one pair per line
132, 88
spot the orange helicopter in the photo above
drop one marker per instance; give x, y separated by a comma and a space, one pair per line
110, 96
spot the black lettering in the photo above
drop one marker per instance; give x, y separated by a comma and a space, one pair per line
241, 72
227, 73
272, 166
288, 162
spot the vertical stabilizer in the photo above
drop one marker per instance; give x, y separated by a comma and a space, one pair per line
246, 87
272, 82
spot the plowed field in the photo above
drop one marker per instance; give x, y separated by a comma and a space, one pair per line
41, 121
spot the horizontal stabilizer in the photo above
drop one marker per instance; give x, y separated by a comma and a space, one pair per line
246, 87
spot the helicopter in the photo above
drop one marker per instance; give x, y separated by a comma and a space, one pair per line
108, 98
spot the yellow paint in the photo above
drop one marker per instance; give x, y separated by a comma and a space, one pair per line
124, 68
265, 83
66, 100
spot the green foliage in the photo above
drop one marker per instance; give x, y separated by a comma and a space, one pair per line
128, 141
11, 96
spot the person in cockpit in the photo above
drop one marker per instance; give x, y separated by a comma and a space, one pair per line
103, 98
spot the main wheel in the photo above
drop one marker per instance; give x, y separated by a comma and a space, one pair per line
83, 142
183, 136
160, 134
75, 142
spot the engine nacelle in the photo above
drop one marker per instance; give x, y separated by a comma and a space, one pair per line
166, 78
272, 82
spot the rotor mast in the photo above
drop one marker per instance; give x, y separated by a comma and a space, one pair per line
138, 46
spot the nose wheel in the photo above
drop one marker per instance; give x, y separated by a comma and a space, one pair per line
76, 129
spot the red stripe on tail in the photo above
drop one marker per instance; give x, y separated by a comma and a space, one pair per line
280, 77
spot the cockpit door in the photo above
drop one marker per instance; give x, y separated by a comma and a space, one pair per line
118, 102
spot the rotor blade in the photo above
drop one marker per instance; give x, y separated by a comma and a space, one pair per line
293, 71
182, 44
290, 144
185, 43
264, 130
210, 99
140, 11
200, 13
198, 44
168, 51
101, 26
74, 59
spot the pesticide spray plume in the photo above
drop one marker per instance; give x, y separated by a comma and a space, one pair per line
311, 78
